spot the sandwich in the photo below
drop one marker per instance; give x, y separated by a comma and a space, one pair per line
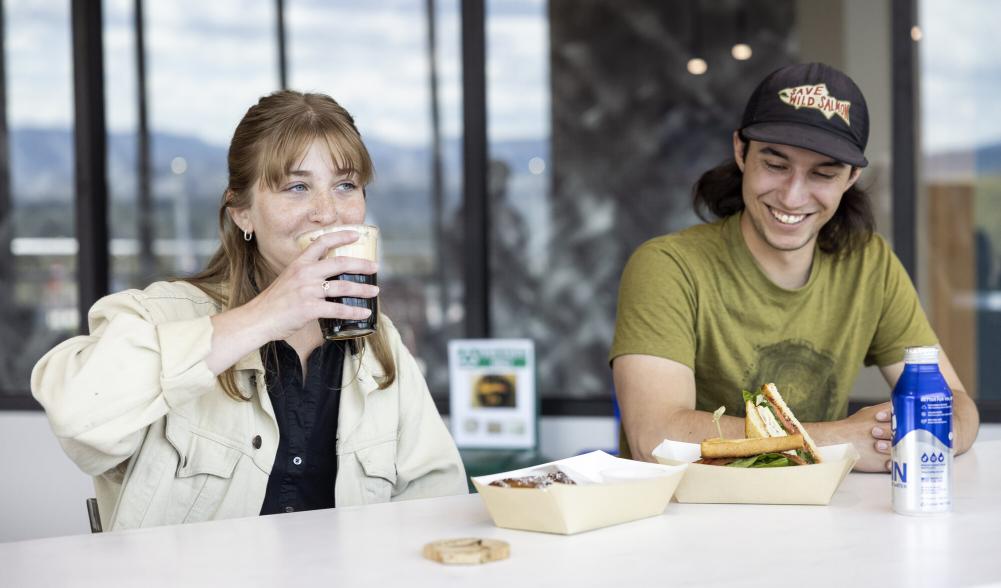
758, 452
768, 416
774, 437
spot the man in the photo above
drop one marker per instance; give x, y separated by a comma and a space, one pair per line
790, 286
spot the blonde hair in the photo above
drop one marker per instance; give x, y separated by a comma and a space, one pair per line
271, 138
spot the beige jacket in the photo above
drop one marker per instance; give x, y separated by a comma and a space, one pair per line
134, 405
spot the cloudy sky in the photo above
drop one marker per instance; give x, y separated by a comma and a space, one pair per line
209, 61
960, 73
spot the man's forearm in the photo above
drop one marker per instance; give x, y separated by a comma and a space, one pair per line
682, 424
830, 433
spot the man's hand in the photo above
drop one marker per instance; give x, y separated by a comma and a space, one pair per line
965, 416
868, 430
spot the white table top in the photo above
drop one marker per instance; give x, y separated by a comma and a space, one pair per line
855, 541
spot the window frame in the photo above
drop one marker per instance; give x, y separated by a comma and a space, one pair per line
91, 197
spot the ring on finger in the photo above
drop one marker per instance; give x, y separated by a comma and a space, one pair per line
325, 285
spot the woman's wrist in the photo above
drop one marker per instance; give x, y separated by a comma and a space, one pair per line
235, 333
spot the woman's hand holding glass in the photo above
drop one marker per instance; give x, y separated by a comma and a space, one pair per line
299, 294
294, 300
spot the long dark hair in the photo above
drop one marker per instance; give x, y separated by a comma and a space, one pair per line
718, 192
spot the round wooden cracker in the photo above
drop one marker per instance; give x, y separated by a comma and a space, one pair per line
467, 551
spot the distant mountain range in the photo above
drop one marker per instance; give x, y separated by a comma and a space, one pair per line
42, 161
954, 165
42, 169
42, 174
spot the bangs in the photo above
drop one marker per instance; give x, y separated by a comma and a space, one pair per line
284, 149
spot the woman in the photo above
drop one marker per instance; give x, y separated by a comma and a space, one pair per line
217, 396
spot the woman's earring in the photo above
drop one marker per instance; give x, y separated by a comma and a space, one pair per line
247, 236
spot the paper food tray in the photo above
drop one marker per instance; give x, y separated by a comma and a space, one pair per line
808, 484
609, 491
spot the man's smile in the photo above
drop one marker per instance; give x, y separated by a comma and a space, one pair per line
786, 219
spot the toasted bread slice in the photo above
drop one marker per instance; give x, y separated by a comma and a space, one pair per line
759, 420
712, 448
754, 427
788, 420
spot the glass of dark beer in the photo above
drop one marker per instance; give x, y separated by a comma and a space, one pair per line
366, 247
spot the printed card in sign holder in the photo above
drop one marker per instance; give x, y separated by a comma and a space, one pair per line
492, 396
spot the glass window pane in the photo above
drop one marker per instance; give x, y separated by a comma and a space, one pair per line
121, 105
519, 186
380, 72
597, 133
960, 231
206, 64
38, 297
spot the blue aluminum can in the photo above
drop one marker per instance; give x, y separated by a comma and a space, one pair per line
922, 436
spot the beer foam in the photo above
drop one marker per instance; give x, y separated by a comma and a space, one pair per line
366, 247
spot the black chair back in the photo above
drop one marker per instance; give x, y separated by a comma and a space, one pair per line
94, 515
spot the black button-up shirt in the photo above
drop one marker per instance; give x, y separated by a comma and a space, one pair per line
306, 463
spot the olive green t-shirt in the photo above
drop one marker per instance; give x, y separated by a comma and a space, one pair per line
698, 297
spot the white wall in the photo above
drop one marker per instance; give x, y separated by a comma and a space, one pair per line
43, 493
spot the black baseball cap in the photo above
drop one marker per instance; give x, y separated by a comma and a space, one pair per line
813, 106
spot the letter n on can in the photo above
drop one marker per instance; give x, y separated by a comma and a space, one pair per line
900, 472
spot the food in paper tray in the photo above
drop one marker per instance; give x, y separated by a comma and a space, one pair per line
753, 453
768, 415
578, 493
536, 480
775, 437
756, 477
